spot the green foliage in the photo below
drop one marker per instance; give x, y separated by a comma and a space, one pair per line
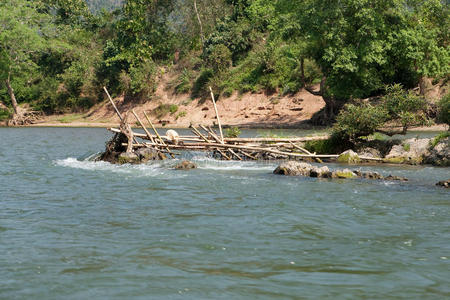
328, 146
406, 147
444, 109
404, 107
181, 114
173, 108
232, 132
441, 136
200, 84
356, 121
220, 58
163, 109
184, 82
4, 114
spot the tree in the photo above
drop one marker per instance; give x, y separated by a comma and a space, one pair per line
361, 45
21, 38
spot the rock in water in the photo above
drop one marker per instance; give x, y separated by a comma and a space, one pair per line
411, 151
185, 165
440, 154
444, 183
146, 154
128, 158
349, 157
393, 177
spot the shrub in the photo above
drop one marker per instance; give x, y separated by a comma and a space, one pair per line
355, 121
441, 136
181, 114
173, 108
4, 114
200, 83
404, 107
232, 132
444, 109
220, 58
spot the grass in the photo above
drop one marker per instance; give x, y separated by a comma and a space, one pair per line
70, 118
164, 109
439, 137
4, 115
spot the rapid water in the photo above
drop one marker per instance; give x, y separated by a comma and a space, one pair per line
71, 228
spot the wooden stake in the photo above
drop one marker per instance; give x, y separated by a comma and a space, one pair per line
217, 115
142, 125
112, 102
306, 151
157, 134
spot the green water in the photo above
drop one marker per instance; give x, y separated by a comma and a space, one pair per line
71, 228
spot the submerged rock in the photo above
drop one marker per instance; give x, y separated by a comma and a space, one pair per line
349, 157
296, 168
346, 173
444, 183
185, 165
393, 177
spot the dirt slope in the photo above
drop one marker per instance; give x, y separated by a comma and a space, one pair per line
247, 110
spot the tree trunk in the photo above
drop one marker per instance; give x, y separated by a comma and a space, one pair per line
12, 96
302, 70
199, 22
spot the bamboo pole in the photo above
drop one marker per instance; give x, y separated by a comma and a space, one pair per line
114, 105
235, 154
157, 134
306, 151
142, 125
217, 114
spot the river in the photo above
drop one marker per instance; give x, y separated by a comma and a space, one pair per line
71, 228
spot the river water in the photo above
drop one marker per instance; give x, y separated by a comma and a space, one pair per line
71, 228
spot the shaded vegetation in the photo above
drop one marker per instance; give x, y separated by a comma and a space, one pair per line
57, 54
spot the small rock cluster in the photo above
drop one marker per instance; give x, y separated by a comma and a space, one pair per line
295, 168
185, 165
444, 183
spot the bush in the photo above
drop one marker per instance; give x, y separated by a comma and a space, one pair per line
232, 132
444, 110
220, 58
4, 114
355, 121
404, 107
199, 86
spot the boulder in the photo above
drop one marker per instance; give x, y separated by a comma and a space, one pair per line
146, 154
346, 173
368, 175
369, 152
185, 165
349, 157
411, 151
444, 183
393, 177
296, 168
128, 158
439, 155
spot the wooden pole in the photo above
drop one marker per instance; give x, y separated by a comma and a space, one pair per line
112, 102
157, 134
142, 125
217, 114
306, 151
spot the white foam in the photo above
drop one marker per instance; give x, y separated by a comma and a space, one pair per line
154, 169
214, 164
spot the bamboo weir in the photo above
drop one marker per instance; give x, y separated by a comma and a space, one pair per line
131, 145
